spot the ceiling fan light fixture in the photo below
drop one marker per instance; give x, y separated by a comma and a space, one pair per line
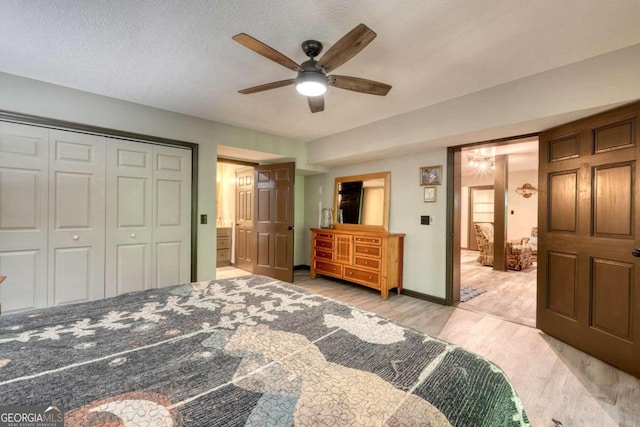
310, 83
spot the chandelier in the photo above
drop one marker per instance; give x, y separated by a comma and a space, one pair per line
481, 162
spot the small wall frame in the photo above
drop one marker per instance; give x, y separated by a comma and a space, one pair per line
431, 175
430, 194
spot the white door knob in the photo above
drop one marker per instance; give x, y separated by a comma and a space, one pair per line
133, 235
76, 237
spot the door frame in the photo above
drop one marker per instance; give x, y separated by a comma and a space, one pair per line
454, 215
27, 119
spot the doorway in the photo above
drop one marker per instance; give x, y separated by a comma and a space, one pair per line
255, 219
507, 291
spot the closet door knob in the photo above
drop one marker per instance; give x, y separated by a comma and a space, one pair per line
76, 237
133, 235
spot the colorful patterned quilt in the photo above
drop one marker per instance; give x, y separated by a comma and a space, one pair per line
250, 351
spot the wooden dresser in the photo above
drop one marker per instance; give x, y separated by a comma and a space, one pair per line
223, 246
369, 258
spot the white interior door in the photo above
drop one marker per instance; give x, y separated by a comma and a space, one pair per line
76, 217
171, 261
128, 222
24, 160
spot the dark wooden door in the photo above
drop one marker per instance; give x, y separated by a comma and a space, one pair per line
589, 280
274, 220
244, 239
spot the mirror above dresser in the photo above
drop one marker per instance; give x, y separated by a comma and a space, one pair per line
362, 201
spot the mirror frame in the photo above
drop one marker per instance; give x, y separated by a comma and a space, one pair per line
387, 190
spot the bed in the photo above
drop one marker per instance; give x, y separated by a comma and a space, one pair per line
250, 351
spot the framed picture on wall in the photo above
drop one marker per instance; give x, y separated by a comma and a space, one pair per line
430, 194
431, 175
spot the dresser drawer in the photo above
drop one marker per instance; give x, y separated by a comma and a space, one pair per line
331, 269
223, 243
223, 257
325, 255
369, 278
325, 236
367, 263
326, 244
368, 240
223, 232
373, 251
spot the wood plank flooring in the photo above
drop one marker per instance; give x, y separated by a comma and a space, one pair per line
510, 295
553, 379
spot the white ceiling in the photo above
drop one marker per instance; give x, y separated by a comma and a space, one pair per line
179, 55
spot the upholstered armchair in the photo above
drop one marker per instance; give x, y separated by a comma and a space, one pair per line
533, 242
484, 237
519, 254
518, 251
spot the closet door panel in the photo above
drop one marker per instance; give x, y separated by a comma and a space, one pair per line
24, 175
76, 217
171, 216
129, 227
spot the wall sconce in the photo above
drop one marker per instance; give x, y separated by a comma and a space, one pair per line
527, 190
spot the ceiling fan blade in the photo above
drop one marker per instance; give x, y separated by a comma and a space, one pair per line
268, 52
346, 48
316, 103
357, 84
267, 86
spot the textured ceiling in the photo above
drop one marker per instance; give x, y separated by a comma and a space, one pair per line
179, 55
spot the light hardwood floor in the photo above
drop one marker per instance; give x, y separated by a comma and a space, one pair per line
510, 295
553, 379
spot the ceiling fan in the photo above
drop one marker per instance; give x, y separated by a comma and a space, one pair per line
313, 78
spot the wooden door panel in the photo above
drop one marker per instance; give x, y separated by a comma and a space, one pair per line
614, 137
588, 280
282, 255
564, 148
264, 250
613, 187
282, 209
562, 270
563, 201
612, 297
263, 206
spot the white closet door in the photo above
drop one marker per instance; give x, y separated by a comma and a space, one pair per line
24, 160
171, 216
129, 226
76, 217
